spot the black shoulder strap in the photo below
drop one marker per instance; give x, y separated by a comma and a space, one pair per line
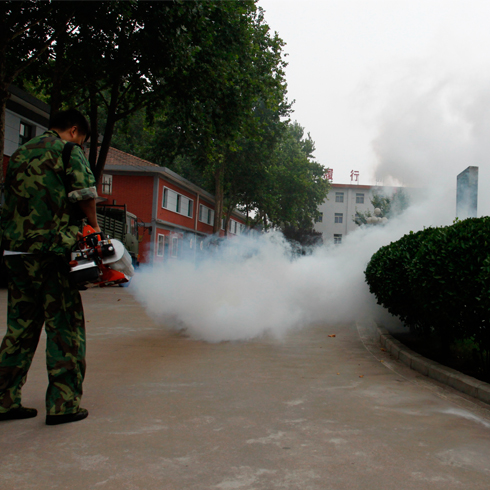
65, 155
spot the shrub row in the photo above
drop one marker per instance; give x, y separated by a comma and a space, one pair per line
438, 281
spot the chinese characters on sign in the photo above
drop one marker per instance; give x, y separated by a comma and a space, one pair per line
329, 174
354, 176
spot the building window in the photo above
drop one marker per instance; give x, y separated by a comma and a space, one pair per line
206, 215
235, 227
175, 246
160, 245
320, 218
339, 197
337, 239
359, 198
106, 184
339, 217
178, 203
26, 132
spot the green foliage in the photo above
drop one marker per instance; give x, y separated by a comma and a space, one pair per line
450, 279
240, 69
388, 276
201, 66
135, 135
296, 184
437, 280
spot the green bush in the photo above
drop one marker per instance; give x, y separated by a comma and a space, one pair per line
388, 277
438, 281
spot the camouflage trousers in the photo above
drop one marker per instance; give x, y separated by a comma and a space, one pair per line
39, 292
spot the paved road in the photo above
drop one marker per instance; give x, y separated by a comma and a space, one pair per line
311, 412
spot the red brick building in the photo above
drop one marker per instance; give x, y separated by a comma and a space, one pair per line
175, 216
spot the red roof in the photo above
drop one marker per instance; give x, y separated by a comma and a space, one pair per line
354, 186
118, 157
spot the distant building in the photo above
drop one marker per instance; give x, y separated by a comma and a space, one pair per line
338, 210
25, 117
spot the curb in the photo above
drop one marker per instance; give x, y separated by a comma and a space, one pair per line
461, 382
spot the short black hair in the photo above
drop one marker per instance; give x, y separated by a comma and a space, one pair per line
67, 119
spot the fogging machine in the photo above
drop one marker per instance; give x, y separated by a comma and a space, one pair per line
99, 261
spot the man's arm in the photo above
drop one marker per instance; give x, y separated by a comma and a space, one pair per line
89, 208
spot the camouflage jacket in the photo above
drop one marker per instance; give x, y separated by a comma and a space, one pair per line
41, 195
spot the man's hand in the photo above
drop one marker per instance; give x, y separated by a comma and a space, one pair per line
90, 210
80, 235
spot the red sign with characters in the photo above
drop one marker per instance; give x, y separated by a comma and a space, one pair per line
354, 176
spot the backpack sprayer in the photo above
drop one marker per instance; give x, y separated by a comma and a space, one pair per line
99, 261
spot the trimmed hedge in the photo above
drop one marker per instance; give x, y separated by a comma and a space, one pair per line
388, 276
438, 281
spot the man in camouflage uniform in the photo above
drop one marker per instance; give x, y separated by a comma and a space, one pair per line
38, 230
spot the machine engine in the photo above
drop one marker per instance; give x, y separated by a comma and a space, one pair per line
99, 261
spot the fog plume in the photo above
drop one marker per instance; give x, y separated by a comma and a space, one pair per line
252, 287
434, 124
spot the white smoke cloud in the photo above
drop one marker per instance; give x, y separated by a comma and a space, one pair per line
253, 287
435, 123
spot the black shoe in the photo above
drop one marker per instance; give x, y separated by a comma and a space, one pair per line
67, 417
18, 413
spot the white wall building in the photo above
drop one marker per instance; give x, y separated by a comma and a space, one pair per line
339, 209
25, 117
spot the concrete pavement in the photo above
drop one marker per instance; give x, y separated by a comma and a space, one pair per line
309, 412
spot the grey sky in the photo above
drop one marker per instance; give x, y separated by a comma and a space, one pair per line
397, 89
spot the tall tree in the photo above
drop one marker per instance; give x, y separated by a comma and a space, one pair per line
249, 166
297, 183
240, 65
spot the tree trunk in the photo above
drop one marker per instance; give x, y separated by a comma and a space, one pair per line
94, 126
109, 131
229, 211
58, 72
218, 197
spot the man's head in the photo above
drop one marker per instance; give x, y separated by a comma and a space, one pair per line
71, 125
